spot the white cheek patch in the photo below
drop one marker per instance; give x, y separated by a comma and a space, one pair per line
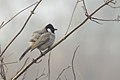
49, 30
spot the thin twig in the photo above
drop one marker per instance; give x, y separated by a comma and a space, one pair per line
85, 8
24, 75
43, 73
49, 66
32, 12
117, 19
80, 76
4, 23
87, 14
0, 48
61, 40
1, 24
115, 7
73, 70
65, 78
72, 16
37, 74
8, 63
59, 78
97, 19
62, 72
23, 65
2, 70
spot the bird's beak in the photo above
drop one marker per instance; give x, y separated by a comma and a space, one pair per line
55, 29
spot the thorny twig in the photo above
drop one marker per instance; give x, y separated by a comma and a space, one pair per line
32, 12
4, 23
61, 40
73, 62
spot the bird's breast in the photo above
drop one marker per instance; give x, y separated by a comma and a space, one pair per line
48, 44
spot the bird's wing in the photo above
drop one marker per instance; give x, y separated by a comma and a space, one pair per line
34, 37
42, 40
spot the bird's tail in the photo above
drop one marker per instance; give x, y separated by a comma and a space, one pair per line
24, 53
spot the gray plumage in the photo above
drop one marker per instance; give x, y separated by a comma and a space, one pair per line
41, 39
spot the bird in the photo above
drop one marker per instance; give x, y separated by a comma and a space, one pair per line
41, 39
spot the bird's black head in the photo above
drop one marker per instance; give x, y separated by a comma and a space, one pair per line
51, 28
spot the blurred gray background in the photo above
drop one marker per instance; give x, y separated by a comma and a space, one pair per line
98, 57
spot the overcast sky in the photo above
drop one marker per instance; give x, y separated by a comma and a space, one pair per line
98, 56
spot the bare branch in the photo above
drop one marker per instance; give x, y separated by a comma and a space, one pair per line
98, 19
0, 48
62, 72
4, 23
86, 12
2, 70
8, 63
43, 74
23, 65
49, 66
24, 75
95, 21
114, 3
80, 76
65, 78
73, 62
72, 16
85, 8
1, 24
61, 40
59, 78
32, 12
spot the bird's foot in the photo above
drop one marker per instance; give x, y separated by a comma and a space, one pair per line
41, 53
